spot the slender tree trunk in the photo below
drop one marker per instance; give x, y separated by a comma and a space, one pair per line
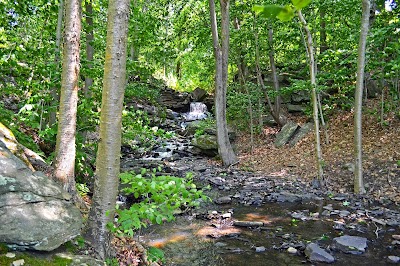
358, 175
89, 46
65, 145
261, 81
310, 49
322, 32
108, 154
221, 79
54, 91
274, 73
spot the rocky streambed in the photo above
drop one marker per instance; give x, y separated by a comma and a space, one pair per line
265, 218
276, 219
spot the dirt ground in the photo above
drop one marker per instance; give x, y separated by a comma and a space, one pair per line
381, 153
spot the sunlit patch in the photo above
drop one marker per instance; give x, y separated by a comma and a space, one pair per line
282, 172
214, 232
256, 217
177, 237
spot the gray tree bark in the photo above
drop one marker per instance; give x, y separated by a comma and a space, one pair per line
314, 96
221, 52
65, 146
89, 45
54, 91
108, 154
358, 174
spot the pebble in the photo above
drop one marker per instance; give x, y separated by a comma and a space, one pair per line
394, 259
18, 262
10, 255
292, 250
260, 249
227, 215
396, 237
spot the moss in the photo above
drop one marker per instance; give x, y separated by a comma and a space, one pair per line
3, 249
34, 261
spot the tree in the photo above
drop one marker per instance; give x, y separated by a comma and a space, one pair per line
358, 175
54, 93
221, 52
108, 154
65, 146
286, 13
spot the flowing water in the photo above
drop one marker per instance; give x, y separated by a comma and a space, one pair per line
188, 240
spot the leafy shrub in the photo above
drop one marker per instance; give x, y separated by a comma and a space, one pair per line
159, 197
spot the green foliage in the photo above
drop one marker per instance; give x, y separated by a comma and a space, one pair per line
159, 197
141, 92
238, 105
137, 131
82, 189
35, 261
155, 254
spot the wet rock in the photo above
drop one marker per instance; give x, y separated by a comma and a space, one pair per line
350, 244
339, 225
207, 144
317, 254
223, 200
394, 259
396, 237
286, 197
247, 223
292, 250
260, 249
220, 244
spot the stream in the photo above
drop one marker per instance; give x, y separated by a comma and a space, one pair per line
259, 219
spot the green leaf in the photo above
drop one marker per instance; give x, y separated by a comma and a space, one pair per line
299, 4
155, 254
286, 14
269, 11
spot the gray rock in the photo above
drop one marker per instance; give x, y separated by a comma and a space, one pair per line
285, 134
295, 108
35, 212
303, 131
317, 254
301, 96
350, 244
394, 259
207, 144
260, 249
223, 200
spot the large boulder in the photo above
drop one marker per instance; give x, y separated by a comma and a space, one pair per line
207, 144
286, 133
35, 212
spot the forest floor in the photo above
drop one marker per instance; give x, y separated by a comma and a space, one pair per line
381, 153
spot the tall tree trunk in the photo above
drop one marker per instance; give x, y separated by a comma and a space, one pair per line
274, 73
275, 115
108, 154
54, 90
322, 31
221, 79
89, 46
314, 97
65, 145
358, 175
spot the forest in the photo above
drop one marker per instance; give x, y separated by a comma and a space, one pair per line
169, 132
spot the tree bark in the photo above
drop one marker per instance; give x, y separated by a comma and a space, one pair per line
312, 66
89, 46
65, 146
274, 73
108, 154
221, 52
358, 174
54, 90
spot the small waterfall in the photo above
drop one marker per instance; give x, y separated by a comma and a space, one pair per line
197, 111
